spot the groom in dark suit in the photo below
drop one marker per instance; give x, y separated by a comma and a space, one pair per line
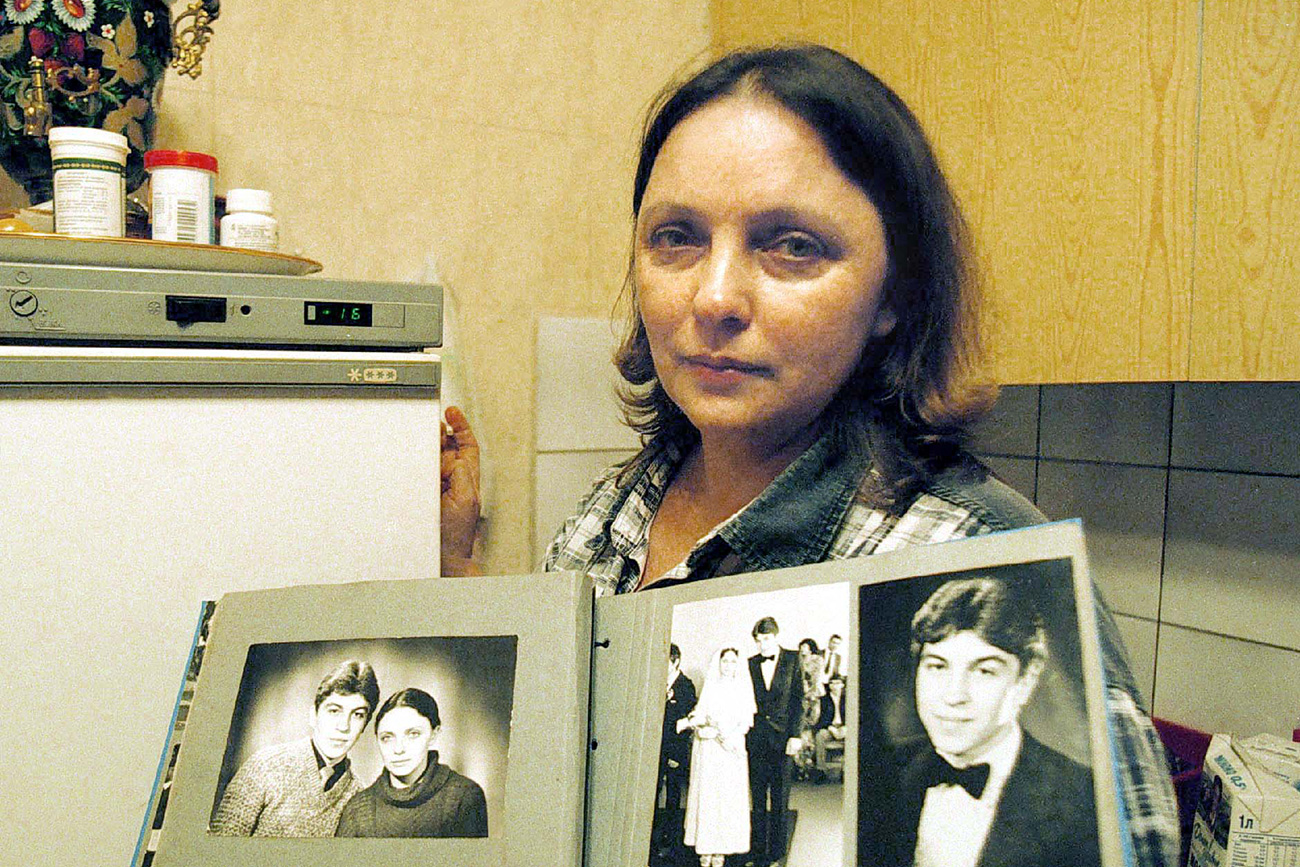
674, 758
978, 790
774, 738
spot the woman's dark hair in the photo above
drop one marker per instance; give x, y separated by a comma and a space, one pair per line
812, 645
417, 700
912, 396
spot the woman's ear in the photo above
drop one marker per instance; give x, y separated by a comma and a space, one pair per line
886, 319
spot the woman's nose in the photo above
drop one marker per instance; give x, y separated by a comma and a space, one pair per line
724, 294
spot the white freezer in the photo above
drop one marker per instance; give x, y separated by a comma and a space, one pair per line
135, 483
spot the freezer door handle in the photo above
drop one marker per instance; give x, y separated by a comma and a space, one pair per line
56, 365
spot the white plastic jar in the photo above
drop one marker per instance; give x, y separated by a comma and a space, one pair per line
248, 222
89, 181
182, 187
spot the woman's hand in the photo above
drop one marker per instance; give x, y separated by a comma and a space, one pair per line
460, 494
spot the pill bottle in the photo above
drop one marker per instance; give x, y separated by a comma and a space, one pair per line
182, 186
248, 222
89, 181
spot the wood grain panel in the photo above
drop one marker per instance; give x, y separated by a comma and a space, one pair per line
756, 22
1068, 131
1246, 314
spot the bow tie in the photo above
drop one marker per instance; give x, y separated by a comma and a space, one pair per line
973, 778
769, 658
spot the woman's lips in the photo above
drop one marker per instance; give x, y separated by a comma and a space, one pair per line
721, 370
723, 362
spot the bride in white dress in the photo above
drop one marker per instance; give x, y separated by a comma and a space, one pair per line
717, 802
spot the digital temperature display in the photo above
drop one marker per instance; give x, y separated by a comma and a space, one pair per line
336, 313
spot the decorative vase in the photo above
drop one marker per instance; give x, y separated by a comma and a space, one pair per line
95, 63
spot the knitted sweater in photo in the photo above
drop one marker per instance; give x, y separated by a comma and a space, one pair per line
279, 793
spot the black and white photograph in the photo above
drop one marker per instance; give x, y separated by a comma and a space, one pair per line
147, 845
975, 746
751, 765
396, 737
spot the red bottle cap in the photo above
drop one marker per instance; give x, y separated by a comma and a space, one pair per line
180, 159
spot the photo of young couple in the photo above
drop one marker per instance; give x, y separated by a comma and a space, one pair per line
752, 752
382, 738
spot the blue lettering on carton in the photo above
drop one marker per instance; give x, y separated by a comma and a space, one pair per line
1233, 776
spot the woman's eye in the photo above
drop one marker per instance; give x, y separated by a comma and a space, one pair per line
797, 246
670, 236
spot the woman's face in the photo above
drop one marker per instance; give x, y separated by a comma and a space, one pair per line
759, 269
405, 736
727, 664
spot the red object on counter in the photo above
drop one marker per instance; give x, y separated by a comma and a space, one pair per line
1189, 745
181, 159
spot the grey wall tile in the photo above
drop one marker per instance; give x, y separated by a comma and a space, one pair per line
1012, 427
1123, 518
576, 404
1140, 639
1239, 426
561, 479
1019, 473
1123, 422
1232, 559
1219, 684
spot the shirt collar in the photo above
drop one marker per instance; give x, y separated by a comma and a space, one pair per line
793, 521
336, 770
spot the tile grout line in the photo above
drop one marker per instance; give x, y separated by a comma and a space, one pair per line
1164, 545
1038, 441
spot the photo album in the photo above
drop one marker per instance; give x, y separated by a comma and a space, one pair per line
942, 704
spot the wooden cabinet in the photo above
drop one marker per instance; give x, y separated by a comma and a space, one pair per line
1246, 289
1071, 133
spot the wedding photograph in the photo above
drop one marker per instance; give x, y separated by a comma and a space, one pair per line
751, 766
395, 737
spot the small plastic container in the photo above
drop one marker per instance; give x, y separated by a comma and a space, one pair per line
248, 222
89, 181
183, 186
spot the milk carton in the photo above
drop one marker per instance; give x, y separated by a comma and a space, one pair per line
1248, 813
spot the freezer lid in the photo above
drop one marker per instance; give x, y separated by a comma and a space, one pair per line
88, 365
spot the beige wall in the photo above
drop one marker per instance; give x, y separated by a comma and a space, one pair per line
497, 135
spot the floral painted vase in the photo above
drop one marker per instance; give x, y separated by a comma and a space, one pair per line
94, 63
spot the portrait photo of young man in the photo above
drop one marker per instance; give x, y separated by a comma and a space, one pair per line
974, 787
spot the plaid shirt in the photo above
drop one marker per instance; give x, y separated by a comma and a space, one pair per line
811, 513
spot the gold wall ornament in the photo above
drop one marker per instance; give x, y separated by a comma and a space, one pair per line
37, 116
79, 85
188, 41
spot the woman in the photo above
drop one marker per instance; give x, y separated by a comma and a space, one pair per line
717, 802
414, 795
802, 341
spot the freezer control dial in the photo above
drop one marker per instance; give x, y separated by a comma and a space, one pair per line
22, 302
